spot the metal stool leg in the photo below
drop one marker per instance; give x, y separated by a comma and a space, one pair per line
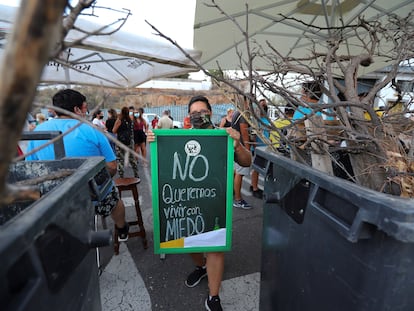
98, 256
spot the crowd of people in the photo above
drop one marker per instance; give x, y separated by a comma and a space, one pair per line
132, 130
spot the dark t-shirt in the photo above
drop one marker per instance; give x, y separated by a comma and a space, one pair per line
227, 123
110, 124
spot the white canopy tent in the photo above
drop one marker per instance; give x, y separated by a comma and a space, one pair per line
121, 59
293, 27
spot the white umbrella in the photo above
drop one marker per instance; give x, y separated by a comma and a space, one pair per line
120, 60
293, 27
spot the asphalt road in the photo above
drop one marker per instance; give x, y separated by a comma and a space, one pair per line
138, 279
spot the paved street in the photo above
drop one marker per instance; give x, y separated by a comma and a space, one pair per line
138, 279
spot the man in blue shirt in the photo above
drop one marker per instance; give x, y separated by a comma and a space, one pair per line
82, 141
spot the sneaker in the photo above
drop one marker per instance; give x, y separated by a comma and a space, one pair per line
213, 304
123, 233
196, 276
258, 193
241, 204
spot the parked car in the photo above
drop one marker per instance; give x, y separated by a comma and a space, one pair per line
150, 116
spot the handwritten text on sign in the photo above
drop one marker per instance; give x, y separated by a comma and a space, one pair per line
192, 190
183, 220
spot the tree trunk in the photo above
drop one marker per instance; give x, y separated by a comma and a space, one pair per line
372, 167
26, 54
319, 153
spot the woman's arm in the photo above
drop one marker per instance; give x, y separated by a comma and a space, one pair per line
116, 126
222, 122
112, 167
241, 155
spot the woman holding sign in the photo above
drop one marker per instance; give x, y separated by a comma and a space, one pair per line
200, 112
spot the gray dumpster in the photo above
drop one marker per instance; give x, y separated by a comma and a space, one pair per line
48, 260
329, 244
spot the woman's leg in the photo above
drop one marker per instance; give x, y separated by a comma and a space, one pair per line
137, 148
120, 160
143, 148
134, 165
215, 270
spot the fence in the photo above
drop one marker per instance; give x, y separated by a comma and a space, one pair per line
180, 112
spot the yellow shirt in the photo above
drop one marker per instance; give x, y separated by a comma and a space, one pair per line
274, 136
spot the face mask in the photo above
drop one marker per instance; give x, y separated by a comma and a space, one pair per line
131, 113
101, 117
136, 115
50, 114
200, 120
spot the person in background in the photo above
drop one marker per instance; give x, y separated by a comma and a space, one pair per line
110, 122
51, 114
154, 122
200, 113
29, 125
262, 112
311, 94
239, 123
281, 123
169, 115
40, 118
31, 122
165, 121
187, 122
131, 112
140, 133
83, 141
124, 129
226, 120
98, 120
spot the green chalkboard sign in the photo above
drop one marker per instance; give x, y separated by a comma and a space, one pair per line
192, 190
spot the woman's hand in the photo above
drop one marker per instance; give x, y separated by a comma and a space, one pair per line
150, 136
235, 135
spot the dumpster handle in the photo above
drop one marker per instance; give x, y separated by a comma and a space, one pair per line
352, 233
99, 238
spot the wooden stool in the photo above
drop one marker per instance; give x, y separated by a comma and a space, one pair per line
131, 184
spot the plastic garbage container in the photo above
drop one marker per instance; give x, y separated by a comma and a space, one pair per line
329, 244
47, 246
